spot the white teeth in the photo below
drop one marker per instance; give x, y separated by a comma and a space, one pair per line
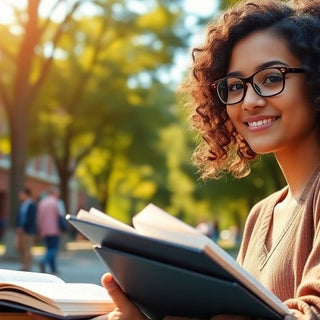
259, 123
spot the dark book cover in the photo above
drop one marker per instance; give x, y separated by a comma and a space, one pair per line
160, 289
192, 280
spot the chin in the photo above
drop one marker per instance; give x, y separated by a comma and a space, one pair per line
263, 145
262, 149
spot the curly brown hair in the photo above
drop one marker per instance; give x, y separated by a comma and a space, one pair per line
222, 149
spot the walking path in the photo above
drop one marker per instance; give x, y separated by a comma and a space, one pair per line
77, 263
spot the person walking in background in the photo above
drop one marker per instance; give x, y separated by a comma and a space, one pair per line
48, 228
26, 228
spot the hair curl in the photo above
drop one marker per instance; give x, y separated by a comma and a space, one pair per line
222, 149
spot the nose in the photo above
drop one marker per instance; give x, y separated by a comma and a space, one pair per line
252, 99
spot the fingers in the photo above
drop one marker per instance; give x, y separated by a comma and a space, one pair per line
120, 299
125, 309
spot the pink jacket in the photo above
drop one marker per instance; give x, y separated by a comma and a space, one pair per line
47, 217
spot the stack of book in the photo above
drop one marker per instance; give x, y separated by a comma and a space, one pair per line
169, 268
165, 267
48, 295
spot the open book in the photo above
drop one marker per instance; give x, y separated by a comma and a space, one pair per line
49, 295
169, 268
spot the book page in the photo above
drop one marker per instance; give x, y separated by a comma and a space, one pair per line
25, 276
32, 301
173, 236
69, 298
156, 223
154, 216
228, 263
61, 292
98, 217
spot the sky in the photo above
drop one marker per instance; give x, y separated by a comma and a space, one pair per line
201, 6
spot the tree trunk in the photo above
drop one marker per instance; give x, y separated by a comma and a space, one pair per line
64, 171
17, 172
17, 112
18, 130
64, 190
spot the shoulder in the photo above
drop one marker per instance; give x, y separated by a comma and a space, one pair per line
261, 209
256, 220
312, 200
266, 204
316, 189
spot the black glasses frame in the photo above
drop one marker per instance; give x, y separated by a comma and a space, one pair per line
283, 71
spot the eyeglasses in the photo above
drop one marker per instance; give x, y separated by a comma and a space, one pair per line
267, 82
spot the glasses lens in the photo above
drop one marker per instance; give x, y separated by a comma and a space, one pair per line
268, 82
230, 90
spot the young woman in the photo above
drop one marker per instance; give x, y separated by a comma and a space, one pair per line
255, 89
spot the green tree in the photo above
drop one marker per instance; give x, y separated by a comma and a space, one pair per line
133, 165
43, 56
22, 55
224, 4
104, 95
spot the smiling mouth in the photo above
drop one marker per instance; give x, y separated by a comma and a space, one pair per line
259, 123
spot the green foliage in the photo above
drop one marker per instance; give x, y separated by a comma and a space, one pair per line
224, 4
103, 87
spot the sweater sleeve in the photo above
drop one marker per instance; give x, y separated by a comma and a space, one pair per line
306, 303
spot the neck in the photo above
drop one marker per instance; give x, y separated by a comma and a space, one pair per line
299, 163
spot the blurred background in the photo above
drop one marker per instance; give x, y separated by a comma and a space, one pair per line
88, 103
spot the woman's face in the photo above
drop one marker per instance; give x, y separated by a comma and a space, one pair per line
270, 124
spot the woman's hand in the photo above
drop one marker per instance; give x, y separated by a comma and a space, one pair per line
125, 309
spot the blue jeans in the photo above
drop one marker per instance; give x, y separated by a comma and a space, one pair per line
52, 247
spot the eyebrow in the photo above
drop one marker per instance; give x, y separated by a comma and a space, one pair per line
261, 66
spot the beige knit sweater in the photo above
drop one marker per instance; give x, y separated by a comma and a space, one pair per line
291, 270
